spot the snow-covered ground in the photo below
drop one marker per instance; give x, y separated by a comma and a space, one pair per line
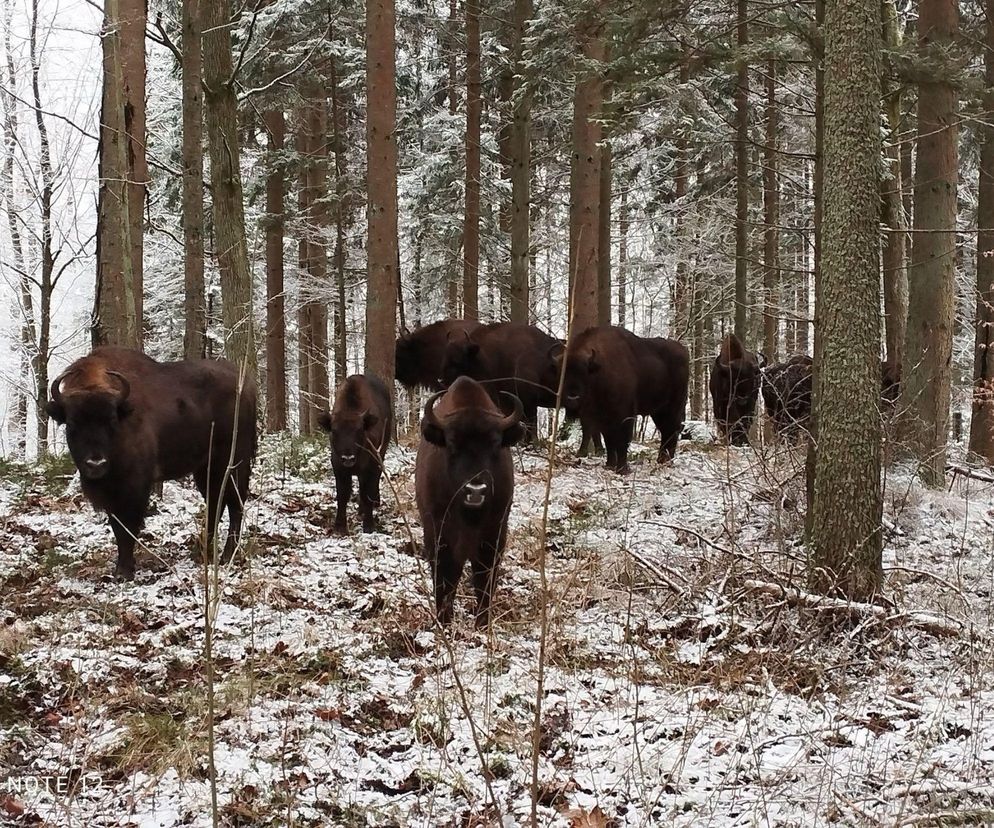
671, 694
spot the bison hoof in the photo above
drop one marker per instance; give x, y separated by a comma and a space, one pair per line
340, 528
623, 470
124, 573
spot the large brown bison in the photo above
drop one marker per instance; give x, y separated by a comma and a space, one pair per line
787, 395
420, 354
735, 379
131, 422
510, 359
613, 375
464, 485
359, 426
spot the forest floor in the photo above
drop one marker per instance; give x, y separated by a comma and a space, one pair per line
676, 691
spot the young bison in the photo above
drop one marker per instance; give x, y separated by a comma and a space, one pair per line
131, 421
464, 485
359, 428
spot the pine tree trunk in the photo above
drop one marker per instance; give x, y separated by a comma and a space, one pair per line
115, 320
680, 325
318, 254
276, 397
134, 16
452, 281
895, 275
846, 514
226, 187
474, 105
604, 239
520, 149
338, 125
982, 424
305, 349
585, 178
926, 380
742, 174
381, 164
194, 309
771, 218
623, 258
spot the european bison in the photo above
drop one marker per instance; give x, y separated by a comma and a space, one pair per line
613, 375
735, 380
508, 358
787, 395
890, 382
359, 426
420, 354
131, 422
464, 485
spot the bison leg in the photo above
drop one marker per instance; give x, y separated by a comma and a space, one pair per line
126, 522
669, 424
484, 581
617, 440
369, 497
235, 505
445, 575
343, 491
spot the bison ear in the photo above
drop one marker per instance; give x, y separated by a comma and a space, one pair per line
57, 411
369, 420
432, 433
324, 421
512, 435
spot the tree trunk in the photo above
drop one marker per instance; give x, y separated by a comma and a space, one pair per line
585, 177
982, 424
452, 36
318, 254
742, 174
338, 125
520, 148
846, 514
771, 218
305, 350
681, 303
925, 382
381, 163
276, 397
134, 16
195, 312
895, 275
115, 320
226, 187
474, 105
604, 239
623, 258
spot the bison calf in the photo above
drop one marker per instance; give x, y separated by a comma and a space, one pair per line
131, 422
735, 380
359, 426
464, 485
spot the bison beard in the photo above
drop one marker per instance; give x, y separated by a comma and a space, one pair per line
735, 381
464, 486
359, 428
612, 376
131, 422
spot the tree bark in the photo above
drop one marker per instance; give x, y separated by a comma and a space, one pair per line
474, 106
623, 258
895, 274
982, 424
926, 380
305, 351
681, 304
195, 311
846, 536
338, 125
771, 218
115, 318
604, 239
520, 147
585, 181
226, 187
134, 16
742, 173
276, 397
318, 253
381, 164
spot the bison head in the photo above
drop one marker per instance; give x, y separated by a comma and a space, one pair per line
347, 433
462, 358
407, 355
579, 367
92, 417
473, 439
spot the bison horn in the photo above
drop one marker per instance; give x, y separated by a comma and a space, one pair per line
515, 416
125, 385
56, 390
430, 417
555, 349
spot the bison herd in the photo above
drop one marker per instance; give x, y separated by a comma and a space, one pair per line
131, 422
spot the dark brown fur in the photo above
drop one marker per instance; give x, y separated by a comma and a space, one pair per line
465, 455
132, 421
734, 385
787, 395
613, 375
359, 428
420, 354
